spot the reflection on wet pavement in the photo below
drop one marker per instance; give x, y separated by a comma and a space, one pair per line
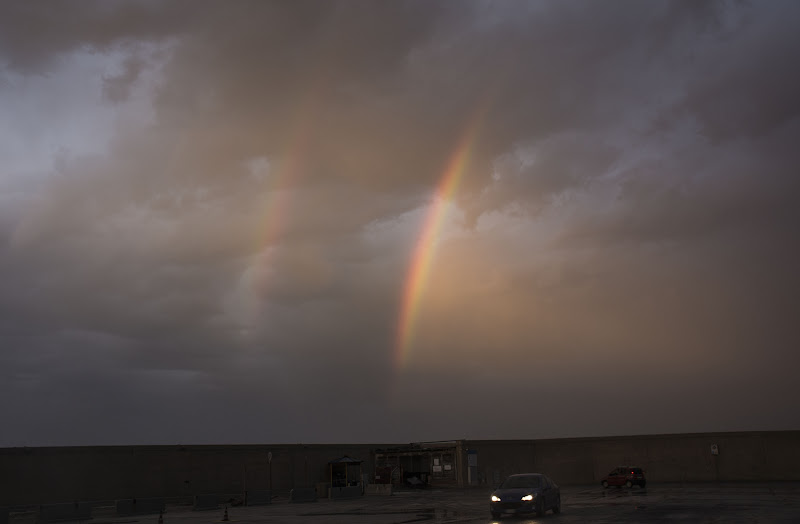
740, 502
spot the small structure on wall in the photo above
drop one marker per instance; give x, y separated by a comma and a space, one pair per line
420, 465
344, 472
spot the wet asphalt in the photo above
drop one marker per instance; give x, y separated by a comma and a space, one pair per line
739, 502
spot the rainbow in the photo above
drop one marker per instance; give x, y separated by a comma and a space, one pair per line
288, 171
287, 174
276, 205
424, 250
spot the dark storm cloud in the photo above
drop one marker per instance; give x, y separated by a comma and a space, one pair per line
244, 238
33, 36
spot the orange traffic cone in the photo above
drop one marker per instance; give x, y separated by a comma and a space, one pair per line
225, 516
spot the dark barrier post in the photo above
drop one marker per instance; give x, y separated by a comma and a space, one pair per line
269, 462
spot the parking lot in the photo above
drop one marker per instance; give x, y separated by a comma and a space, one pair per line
735, 502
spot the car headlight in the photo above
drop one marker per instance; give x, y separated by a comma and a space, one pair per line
529, 497
495, 498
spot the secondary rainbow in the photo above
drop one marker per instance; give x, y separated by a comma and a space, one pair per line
290, 169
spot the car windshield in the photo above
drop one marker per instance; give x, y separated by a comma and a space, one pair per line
522, 481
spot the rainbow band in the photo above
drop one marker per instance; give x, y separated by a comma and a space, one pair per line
424, 251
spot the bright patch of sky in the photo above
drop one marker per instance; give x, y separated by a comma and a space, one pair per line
48, 118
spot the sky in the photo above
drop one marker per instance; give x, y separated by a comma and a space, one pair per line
388, 222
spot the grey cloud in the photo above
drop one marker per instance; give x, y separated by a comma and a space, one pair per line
703, 190
117, 88
640, 218
35, 36
726, 85
745, 85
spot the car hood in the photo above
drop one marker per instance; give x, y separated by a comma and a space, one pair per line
515, 493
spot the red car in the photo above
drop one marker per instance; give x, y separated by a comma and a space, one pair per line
625, 476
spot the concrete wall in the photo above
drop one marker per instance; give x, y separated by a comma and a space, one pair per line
50, 475
42, 475
755, 456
